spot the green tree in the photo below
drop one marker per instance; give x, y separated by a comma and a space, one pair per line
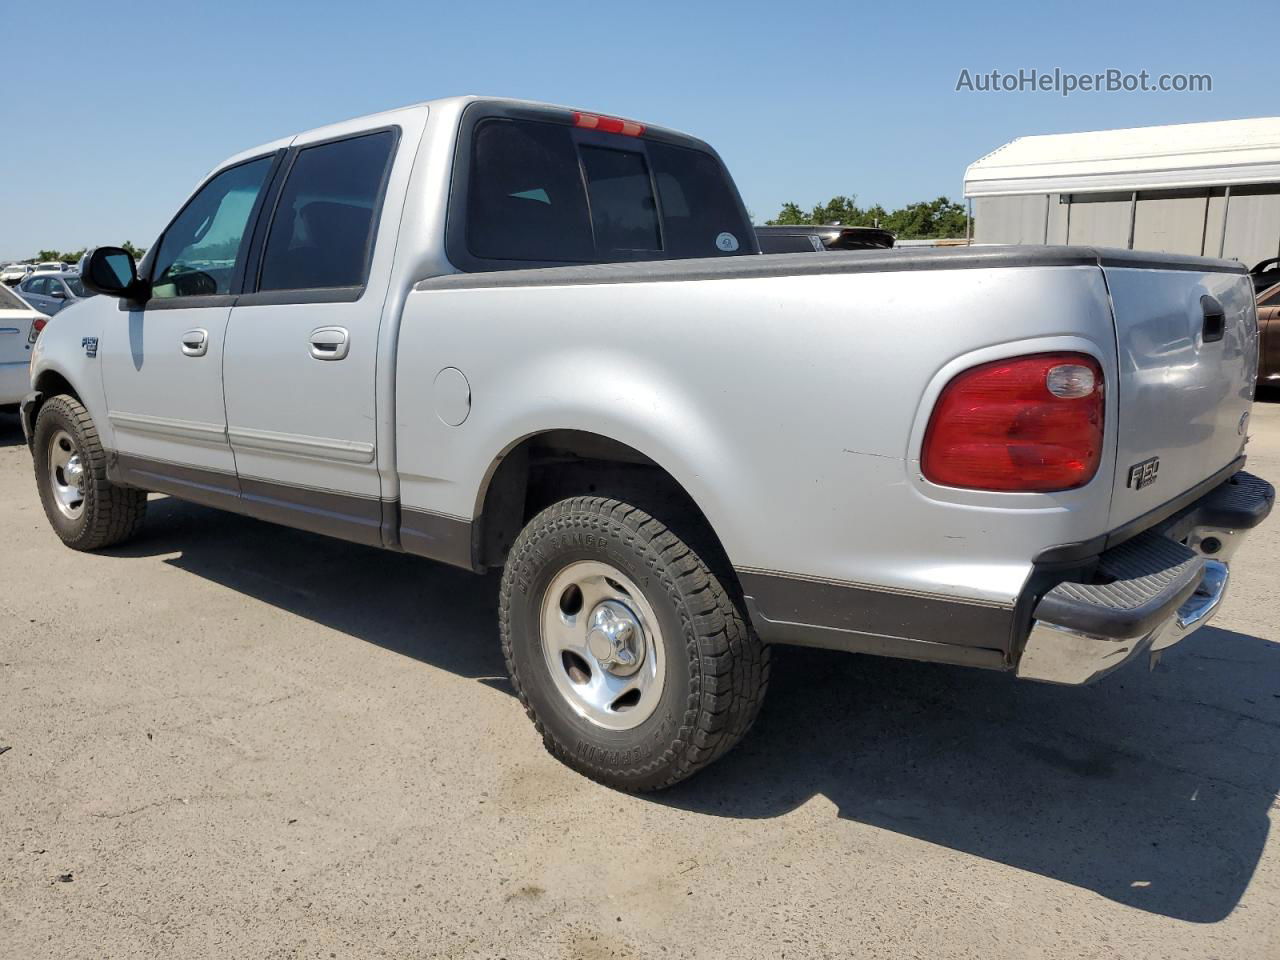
927, 220
135, 252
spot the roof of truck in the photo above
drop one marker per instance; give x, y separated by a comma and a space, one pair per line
388, 117
1136, 158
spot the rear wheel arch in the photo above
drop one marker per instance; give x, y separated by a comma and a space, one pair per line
543, 468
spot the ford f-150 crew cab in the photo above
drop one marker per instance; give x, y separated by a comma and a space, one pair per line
518, 337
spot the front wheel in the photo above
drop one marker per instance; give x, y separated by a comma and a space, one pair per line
85, 509
629, 655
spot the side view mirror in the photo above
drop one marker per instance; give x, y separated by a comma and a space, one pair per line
57, 295
112, 272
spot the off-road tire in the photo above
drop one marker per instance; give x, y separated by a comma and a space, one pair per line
717, 669
111, 514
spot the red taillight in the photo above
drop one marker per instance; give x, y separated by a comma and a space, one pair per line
36, 326
1028, 424
595, 121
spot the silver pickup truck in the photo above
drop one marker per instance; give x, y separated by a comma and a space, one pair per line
508, 335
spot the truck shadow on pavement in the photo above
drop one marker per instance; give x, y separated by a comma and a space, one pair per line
1151, 789
10, 430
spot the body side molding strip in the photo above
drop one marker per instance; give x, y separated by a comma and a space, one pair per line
297, 445
169, 427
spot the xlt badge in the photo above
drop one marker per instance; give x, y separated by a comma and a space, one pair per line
1143, 474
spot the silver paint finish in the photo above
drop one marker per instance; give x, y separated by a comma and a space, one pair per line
452, 394
817, 475
1180, 399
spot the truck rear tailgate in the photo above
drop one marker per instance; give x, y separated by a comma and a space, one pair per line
1187, 345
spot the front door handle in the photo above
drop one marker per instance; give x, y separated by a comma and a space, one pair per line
195, 343
329, 343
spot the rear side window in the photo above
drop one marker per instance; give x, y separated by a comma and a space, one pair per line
540, 192
526, 200
323, 229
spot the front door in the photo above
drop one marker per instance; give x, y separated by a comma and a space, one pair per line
302, 344
162, 360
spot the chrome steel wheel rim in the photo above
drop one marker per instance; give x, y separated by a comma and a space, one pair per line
66, 475
602, 645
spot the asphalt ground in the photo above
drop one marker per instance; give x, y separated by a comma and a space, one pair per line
230, 739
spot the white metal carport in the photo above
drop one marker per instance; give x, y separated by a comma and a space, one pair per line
1199, 188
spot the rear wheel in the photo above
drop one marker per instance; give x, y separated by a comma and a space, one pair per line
85, 509
629, 655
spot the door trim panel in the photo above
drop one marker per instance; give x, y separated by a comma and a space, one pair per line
212, 488
341, 515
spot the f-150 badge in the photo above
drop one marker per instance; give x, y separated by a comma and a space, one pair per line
90, 345
1143, 474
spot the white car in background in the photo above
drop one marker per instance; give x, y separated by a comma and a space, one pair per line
57, 266
13, 272
20, 325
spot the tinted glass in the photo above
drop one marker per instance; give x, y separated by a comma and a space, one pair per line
700, 211
202, 248
38, 285
1271, 301
788, 243
76, 286
525, 200
623, 214
322, 233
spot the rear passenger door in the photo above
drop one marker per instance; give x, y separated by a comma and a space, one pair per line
302, 341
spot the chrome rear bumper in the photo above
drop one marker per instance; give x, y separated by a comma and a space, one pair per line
1148, 594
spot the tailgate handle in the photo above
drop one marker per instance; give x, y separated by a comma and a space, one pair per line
1215, 319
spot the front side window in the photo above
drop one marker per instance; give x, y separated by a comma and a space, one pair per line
323, 230
76, 286
201, 249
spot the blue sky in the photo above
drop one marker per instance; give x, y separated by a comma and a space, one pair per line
116, 111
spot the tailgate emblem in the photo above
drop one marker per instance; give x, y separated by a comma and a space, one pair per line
1143, 474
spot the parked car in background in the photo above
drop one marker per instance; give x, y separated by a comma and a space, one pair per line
55, 266
20, 325
509, 335
13, 272
1269, 333
810, 238
1265, 274
50, 292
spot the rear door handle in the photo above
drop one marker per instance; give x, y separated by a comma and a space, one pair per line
195, 343
330, 343
1215, 319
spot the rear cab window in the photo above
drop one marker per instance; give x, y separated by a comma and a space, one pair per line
535, 191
